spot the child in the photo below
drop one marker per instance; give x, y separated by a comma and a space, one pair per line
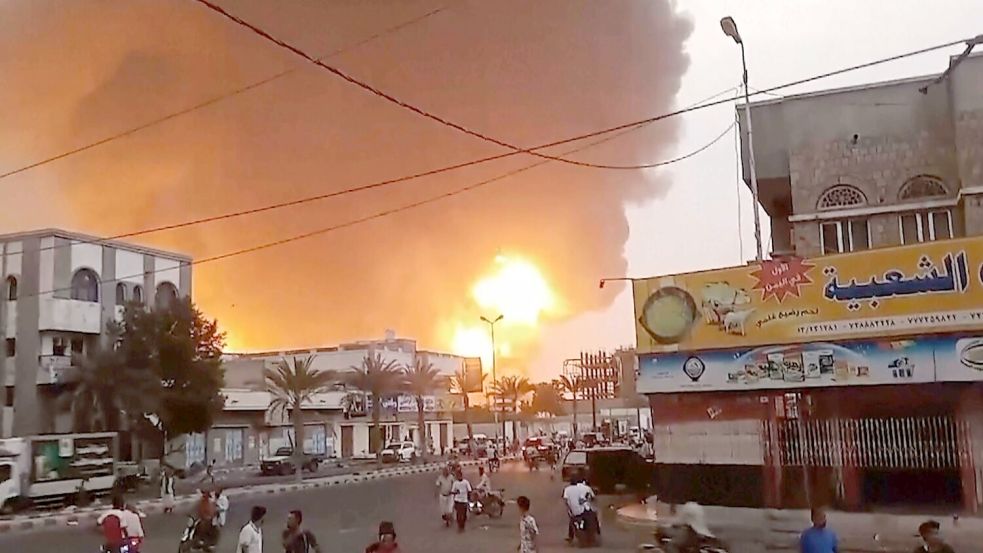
387, 540
528, 530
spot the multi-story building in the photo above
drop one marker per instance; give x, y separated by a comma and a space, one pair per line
335, 423
60, 289
841, 370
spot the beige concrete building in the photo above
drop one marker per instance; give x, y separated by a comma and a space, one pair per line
872, 166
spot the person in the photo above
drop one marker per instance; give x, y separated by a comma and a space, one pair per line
578, 497
205, 513
209, 473
484, 482
295, 538
445, 502
133, 526
167, 490
695, 535
251, 535
931, 541
112, 525
387, 540
221, 507
461, 492
818, 538
528, 530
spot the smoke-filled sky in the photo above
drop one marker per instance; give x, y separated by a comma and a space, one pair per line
525, 72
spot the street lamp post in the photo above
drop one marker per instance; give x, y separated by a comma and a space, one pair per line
491, 324
729, 27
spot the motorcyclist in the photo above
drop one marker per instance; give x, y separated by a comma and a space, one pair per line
113, 527
484, 486
693, 535
578, 497
205, 512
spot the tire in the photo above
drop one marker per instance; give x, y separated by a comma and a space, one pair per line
184, 547
8, 508
495, 508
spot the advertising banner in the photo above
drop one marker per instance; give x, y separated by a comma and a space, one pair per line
935, 287
816, 364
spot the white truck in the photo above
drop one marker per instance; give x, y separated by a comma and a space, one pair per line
54, 468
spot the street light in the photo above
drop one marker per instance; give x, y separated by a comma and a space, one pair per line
491, 323
729, 26
603, 281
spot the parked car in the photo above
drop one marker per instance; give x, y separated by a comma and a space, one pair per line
399, 451
282, 462
608, 468
593, 439
539, 447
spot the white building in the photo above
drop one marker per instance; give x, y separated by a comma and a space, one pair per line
59, 291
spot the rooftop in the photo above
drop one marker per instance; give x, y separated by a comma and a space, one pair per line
79, 237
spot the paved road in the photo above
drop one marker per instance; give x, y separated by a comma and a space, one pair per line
345, 519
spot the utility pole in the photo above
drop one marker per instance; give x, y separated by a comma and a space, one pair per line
491, 323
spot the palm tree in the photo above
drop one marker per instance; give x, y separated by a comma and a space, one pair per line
378, 379
460, 385
421, 380
511, 389
291, 384
573, 385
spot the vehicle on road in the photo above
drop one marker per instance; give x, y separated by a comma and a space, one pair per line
609, 468
594, 439
56, 468
540, 447
194, 541
406, 452
492, 504
587, 529
282, 462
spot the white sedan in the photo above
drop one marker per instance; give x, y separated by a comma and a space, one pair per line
399, 451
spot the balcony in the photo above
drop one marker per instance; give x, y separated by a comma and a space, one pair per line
52, 368
70, 316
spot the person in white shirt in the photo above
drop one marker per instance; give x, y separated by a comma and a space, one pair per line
484, 482
578, 497
461, 492
221, 507
444, 500
251, 535
133, 522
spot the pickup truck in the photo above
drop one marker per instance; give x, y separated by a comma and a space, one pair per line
282, 462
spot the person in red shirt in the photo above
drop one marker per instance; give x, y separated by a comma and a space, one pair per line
111, 524
387, 540
205, 511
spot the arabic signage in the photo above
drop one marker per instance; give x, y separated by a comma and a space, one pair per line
405, 403
816, 364
935, 287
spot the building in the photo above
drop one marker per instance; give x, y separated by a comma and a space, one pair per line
842, 370
339, 421
60, 289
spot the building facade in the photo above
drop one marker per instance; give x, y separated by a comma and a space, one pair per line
60, 289
839, 371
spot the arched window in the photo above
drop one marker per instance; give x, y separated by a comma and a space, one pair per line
922, 186
11, 288
166, 295
840, 196
120, 293
85, 285
138, 293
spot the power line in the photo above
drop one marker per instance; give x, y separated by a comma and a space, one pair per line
398, 209
215, 99
615, 129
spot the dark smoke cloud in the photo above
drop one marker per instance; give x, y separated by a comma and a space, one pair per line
527, 72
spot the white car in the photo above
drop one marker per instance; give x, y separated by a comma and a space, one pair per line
399, 451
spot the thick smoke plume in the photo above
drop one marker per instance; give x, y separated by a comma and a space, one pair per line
527, 72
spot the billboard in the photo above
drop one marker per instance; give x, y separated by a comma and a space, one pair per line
935, 287
472, 375
815, 364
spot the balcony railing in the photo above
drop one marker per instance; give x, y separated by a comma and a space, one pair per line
52, 368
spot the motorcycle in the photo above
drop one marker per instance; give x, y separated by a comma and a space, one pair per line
492, 504
587, 529
193, 540
665, 536
131, 545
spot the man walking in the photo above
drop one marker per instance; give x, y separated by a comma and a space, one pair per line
251, 535
931, 541
445, 502
297, 539
818, 538
461, 492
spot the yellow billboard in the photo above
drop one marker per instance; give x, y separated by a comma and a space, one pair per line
934, 287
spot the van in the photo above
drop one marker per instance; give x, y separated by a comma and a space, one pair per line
609, 468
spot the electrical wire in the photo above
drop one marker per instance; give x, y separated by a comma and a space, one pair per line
398, 209
215, 99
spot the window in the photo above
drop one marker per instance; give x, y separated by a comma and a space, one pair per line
840, 196
85, 285
77, 345
120, 293
11, 288
5, 471
11, 347
851, 235
925, 226
166, 295
58, 346
922, 186
138, 293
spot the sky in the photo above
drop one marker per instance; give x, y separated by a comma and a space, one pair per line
525, 72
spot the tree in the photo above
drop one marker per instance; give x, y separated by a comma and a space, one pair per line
379, 379
182, 349
546, 399
512, 389
573, 385
292, 385
460, 385
421, 380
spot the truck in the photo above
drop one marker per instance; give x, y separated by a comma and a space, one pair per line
55, 468
282, 462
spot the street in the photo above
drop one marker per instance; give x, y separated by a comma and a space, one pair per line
345, 518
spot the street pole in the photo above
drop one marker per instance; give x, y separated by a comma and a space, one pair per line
759, 253
491, 323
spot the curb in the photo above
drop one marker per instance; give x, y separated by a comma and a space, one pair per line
88, 515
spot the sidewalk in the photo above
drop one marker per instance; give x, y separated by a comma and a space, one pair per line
778, 530
87, 516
